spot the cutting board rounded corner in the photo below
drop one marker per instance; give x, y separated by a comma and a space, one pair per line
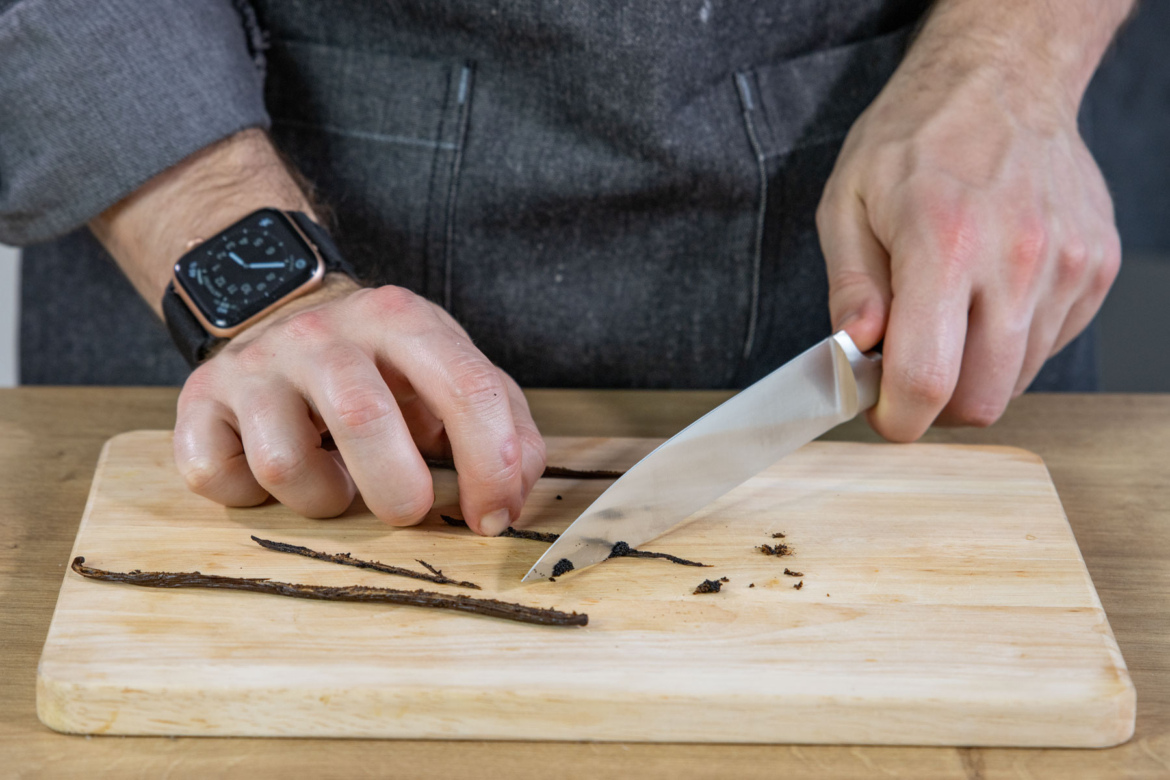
1121, 720
136, 436
54, 700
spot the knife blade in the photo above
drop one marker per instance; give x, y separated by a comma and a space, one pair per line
817, 390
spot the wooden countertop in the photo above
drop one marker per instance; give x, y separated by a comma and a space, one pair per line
1109, 456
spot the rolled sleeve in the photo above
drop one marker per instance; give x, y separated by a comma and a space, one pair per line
98, 96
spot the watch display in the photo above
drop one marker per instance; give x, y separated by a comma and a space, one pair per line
247, 268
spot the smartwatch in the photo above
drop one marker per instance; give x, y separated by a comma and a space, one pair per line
224, 284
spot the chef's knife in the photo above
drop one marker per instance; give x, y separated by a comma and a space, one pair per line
815, 391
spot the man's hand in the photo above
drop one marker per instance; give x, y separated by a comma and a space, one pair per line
391, 376
966, 222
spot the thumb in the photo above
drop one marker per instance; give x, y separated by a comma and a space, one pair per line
858, 268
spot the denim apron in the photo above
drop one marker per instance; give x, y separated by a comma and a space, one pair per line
604, 194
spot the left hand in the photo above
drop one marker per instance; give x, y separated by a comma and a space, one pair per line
966, 223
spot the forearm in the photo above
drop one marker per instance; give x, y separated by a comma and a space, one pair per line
1045, 42
149, 230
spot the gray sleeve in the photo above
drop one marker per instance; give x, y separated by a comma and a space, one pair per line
97, 96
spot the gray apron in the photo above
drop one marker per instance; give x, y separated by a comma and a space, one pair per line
604, 194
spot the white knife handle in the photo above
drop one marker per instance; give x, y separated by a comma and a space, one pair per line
867, 371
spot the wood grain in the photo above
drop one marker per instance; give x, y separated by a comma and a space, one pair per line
944, 602
1107, 455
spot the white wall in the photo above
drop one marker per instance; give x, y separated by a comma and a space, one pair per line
9, 314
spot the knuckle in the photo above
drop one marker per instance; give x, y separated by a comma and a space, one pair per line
356, 402
1072, 261
924, 384
362, 409
511, 457
1029, 248
954, 228
411, 508
477, 384
827, 210
277, 464
201, 385
843, 280
820, 216
980, 414
533, 442
306, 327
253, 356
390, 302
199, 473
1110, 264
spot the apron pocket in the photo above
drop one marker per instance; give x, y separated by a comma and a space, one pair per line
796, 114
381, 136
816, 98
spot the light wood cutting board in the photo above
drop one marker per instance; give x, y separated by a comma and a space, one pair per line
945, 602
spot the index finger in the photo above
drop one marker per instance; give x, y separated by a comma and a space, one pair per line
462, 388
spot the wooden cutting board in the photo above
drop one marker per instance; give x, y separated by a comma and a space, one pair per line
945, 602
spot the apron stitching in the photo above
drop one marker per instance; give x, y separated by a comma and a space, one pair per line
453, 186
749, 107
431, 219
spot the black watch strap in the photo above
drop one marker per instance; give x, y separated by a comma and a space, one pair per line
320, 237
193, 342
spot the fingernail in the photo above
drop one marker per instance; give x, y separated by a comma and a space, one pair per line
494, 523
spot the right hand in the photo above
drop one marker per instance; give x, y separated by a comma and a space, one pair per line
392, 377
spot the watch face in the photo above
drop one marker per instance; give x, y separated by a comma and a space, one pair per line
246, 268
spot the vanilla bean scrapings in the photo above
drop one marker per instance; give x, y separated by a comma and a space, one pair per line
357, 593
346, 559
710, 586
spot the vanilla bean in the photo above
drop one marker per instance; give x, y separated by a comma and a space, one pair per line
620, 549
533, 536
345, 559
358, 593
558, 472
437, 572
623, 550
510, 532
